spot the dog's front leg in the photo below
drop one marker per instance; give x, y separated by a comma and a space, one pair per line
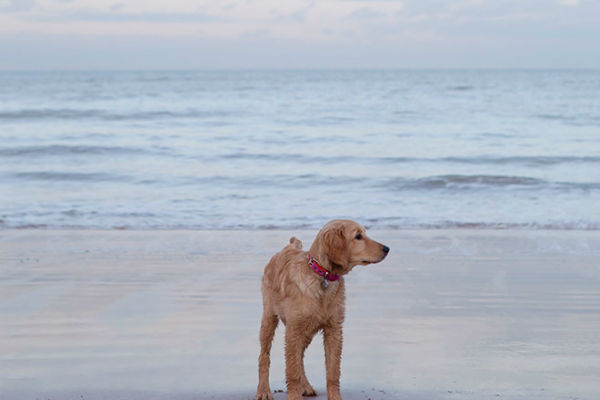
332, 341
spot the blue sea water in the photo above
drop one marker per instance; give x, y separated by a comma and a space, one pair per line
293, 149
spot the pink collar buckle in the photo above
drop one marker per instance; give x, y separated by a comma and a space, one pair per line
327, 276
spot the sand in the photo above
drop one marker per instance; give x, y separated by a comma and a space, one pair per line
457, 314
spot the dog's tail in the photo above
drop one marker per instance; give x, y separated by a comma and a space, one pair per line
295, 242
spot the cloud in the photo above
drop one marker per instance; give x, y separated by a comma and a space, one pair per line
115, 16
16, 5
328, 33
365, 14
400, 2
568, 3
298, 16
116, 6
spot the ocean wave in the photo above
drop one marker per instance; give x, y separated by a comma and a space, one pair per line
284, 157
460, 88
575, 120
437, 182
35, 114
278, 181
465, 182
317, 182
475, 160
477, 225
476, 180
66, 150
54, 176
78, 114
528, 160
500, 160
279, 157
150, 221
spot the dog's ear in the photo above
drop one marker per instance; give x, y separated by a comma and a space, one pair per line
335, 247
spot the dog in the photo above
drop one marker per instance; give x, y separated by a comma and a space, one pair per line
305, 290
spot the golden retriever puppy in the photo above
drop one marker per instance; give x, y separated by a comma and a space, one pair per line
305, 290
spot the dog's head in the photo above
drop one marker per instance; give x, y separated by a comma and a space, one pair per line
345, 244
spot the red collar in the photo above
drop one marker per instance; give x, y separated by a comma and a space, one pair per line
327, 276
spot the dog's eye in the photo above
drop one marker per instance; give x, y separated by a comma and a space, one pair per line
358, 237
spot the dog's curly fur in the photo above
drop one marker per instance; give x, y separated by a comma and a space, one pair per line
294, 294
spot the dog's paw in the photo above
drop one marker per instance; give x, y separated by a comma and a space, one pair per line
334, 395
264, 395
309, 391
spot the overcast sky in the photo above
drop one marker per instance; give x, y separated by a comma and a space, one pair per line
191, 34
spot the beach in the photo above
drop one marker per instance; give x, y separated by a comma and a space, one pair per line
158, 314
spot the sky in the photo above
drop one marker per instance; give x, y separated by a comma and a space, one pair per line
316, 34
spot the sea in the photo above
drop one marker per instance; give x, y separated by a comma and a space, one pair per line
278, 149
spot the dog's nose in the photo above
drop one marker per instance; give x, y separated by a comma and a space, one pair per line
385, 249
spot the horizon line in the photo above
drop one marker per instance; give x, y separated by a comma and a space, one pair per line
292, 69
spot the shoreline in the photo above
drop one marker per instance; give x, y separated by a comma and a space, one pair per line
451, 314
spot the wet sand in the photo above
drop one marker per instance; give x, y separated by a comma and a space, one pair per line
456, 314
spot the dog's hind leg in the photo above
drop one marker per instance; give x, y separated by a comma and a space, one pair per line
267, 331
